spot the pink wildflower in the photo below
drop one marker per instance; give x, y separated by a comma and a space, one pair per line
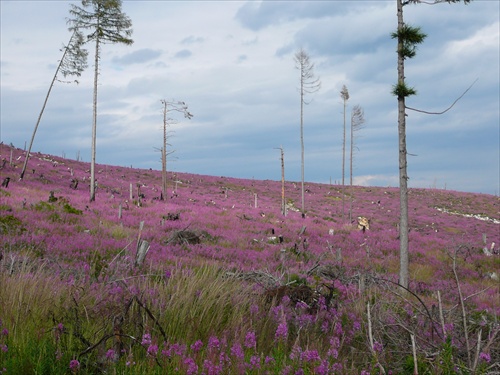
192, 367
310, 356
237, 351
153, 350
485, 357
74, 366
250, 340
111, 355
196, 346
146, 339
213, 343
255, 362
281, 332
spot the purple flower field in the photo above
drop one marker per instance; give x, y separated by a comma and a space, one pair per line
315, 269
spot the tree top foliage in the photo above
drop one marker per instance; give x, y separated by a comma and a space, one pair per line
74, 61
104, 19
344, 94
303, 63
408, 37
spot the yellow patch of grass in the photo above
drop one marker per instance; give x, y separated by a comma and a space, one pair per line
421, 272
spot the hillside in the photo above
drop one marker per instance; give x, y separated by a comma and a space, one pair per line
236, 228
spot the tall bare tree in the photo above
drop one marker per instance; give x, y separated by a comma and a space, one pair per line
408, 37
106, 23
169, 106
308, 85
344, 94
283, 201
357, 122
73, 62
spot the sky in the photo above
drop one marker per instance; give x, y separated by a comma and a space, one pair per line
232, 63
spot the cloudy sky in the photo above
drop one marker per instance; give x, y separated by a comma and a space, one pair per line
232, 63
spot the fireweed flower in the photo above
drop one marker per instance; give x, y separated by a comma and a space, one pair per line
325, 326
153, 350
305, 320
211, 369
74, 365
310, 356
322, 369
276, 312
485, 357
192, 367
213, 343
268, 360
224, 358
146, 339
254, 309
237, 351
179, 349
337, 367
110, 354
378, 347
196, 346
250, 340
4, 348
168, 274
255, 362
281, 332
338, 329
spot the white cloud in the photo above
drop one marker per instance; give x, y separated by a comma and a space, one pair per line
237, 75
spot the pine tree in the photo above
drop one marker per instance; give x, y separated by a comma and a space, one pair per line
105, 23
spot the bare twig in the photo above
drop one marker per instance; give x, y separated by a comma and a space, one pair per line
417, 297
92, 347
447, 109
462, 305
370, 337
150, 314
441, 317
414, 349
478, 350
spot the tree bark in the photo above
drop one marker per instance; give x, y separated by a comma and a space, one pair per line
94, 121
403, 172
302, 137
283, 200
164, 155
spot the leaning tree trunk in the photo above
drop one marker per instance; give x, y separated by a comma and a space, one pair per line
403, 172
23, 171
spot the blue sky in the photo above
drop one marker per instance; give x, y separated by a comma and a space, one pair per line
232, 63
